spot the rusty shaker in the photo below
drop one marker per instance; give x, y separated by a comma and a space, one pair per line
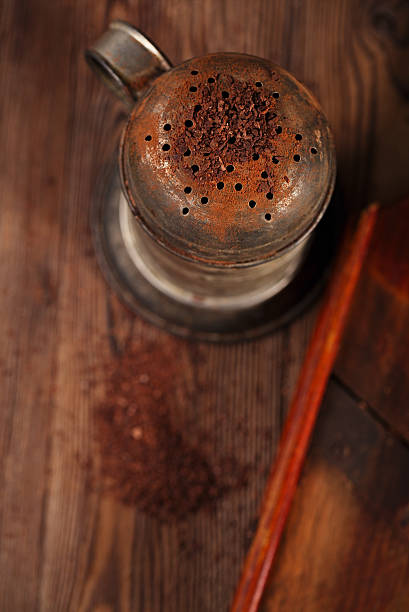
227, 165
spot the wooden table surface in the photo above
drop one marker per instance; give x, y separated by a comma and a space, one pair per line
64, 543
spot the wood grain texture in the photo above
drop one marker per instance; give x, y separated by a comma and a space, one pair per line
346, 545
379, 324
64, 545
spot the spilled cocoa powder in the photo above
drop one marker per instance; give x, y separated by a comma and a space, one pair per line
147, 459
232, 122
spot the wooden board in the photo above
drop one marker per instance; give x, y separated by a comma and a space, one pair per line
379, 325
347, 540
65, 545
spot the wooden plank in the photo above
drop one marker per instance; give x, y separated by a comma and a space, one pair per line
374, 360
64, 545
32, 165
347, 540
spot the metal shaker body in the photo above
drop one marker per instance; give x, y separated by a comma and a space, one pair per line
225, 231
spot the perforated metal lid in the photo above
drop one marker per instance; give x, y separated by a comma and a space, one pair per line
228, 159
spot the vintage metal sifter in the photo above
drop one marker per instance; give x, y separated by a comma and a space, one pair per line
226, 166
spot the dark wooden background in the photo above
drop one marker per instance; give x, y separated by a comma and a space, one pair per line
64, 545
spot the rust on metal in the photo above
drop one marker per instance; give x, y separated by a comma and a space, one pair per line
126, 61
236, 140
227, 160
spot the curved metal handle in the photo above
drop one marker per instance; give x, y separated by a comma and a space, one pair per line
126, 61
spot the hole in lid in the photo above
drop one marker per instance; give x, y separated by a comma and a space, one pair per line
204, 200
197, 108
220, 185
194, 72
276, 94
185, 211
256, 156
225, 94
167, 127
230, 168
238, 186
187, 153
279, 129
264, 174
166, 147
269, 195
259, 84
148, 137
210, 80
187, 189
188, 123
252, 204
206, 154
193, 88
232, 140
314, 151
298, 137
297, 158
195, 168
275, 159
267, 217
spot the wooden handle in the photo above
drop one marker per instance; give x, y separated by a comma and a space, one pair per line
303, 412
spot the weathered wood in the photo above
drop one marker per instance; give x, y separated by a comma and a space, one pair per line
346, 544
64, 546
374, 360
